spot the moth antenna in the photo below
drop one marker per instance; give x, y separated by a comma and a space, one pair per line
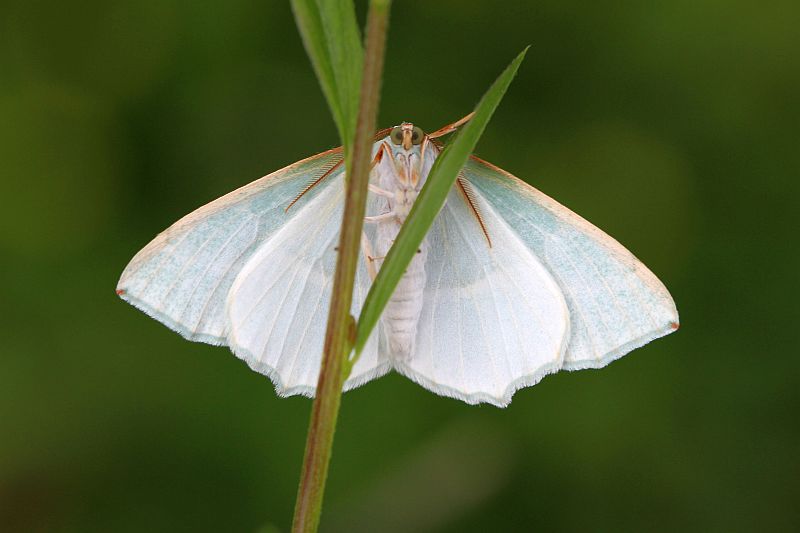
380, 134
469, 195
450, 128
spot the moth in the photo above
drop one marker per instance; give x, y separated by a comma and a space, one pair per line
507, 287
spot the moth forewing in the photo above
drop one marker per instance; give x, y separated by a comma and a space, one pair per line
507, 286
616, 303
182, 277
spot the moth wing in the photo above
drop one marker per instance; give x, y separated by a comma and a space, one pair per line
278, 304
615, 303
493, 318
182, 277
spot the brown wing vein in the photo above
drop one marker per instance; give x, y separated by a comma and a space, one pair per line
469, 196
335, 163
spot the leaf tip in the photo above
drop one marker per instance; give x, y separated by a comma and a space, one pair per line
522, 54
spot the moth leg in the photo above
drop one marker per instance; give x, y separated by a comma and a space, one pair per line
379, 155
381, 192
369, 256
377, 219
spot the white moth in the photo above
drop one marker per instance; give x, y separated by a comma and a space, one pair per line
507, 287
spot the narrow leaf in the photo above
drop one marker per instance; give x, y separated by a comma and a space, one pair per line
309, 23
346, 54
428, 204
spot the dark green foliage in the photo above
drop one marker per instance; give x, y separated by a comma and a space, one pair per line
672, 126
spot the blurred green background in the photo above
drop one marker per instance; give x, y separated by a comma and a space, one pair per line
671, 125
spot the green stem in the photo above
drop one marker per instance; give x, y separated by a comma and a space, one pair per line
341, 325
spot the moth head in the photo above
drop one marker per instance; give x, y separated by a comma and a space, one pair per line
406, 135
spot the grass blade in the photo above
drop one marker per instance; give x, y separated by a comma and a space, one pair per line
330, 34
428, 204
346, 54
309, 23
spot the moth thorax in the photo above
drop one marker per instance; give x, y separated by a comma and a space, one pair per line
404, 200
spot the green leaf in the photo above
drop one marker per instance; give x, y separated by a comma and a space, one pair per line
309, 23
330, 34
428, 204
347, 59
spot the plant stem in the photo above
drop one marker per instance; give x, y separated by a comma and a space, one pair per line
341, 327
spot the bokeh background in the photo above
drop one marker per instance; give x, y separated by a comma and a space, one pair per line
671, 125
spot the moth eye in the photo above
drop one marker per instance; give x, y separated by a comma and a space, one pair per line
417, 135
397, 135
